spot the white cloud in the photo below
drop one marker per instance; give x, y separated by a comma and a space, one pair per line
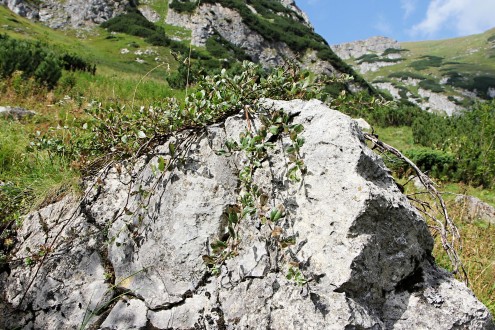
408, 6
463, 16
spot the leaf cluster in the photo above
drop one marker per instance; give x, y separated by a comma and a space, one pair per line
115, 131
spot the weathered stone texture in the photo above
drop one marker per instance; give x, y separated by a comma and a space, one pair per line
362, 248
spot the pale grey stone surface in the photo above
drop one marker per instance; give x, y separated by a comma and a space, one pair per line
15, 112
475, 209
362, 249
69, 13
359, 48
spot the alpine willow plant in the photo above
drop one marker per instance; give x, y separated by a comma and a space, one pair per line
116, 131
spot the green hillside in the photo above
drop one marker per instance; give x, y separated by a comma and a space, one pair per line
448, 67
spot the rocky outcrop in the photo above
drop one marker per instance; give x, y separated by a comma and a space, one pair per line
210, 18
22, 8
359, 48
70, 13
348, 252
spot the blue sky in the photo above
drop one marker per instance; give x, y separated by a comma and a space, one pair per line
404, 20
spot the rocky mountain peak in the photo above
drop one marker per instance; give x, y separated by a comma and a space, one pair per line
359, 48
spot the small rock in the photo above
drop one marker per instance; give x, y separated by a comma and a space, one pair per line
15, 112
476, 209
363, 124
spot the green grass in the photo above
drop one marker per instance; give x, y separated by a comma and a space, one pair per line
400, 137
100, 47
39, 174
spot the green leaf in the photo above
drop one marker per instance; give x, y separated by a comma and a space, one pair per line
298, 128
274, 129
275, 214
218, 245
231, 232
171, 148
233, 218
161, 164
141, 135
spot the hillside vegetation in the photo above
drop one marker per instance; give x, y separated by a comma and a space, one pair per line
460, 68
137, 83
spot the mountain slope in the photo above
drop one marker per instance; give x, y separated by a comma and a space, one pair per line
270, 32
442, 75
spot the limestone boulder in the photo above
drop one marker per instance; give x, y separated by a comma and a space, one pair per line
348, 252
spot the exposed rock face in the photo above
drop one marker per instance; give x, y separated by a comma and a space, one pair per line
208, 18
228, 23
70, 13
436, 101
291, 4
363, 251
22, 8
426, 100
362, 47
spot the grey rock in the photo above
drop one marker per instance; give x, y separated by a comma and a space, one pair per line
363, 124
475, 209
126, 315
22, 8
71, 13
209, 18
359, 48
149, 13
362, 252
15, 112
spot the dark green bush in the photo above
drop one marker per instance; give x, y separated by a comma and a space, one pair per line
404, 75
437, 163
31, 58
362, 105
431, 85
183, 6
389, 51
71, 62
470, 137
426, 62
373, 58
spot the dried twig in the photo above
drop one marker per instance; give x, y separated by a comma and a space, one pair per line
449, 234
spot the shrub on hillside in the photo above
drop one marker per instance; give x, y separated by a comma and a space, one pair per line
426, 62
182, 6
31, 58
470, 137
431, 85
436, 163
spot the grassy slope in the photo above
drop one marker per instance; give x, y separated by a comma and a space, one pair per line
118, 77
470, 56
116, 73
